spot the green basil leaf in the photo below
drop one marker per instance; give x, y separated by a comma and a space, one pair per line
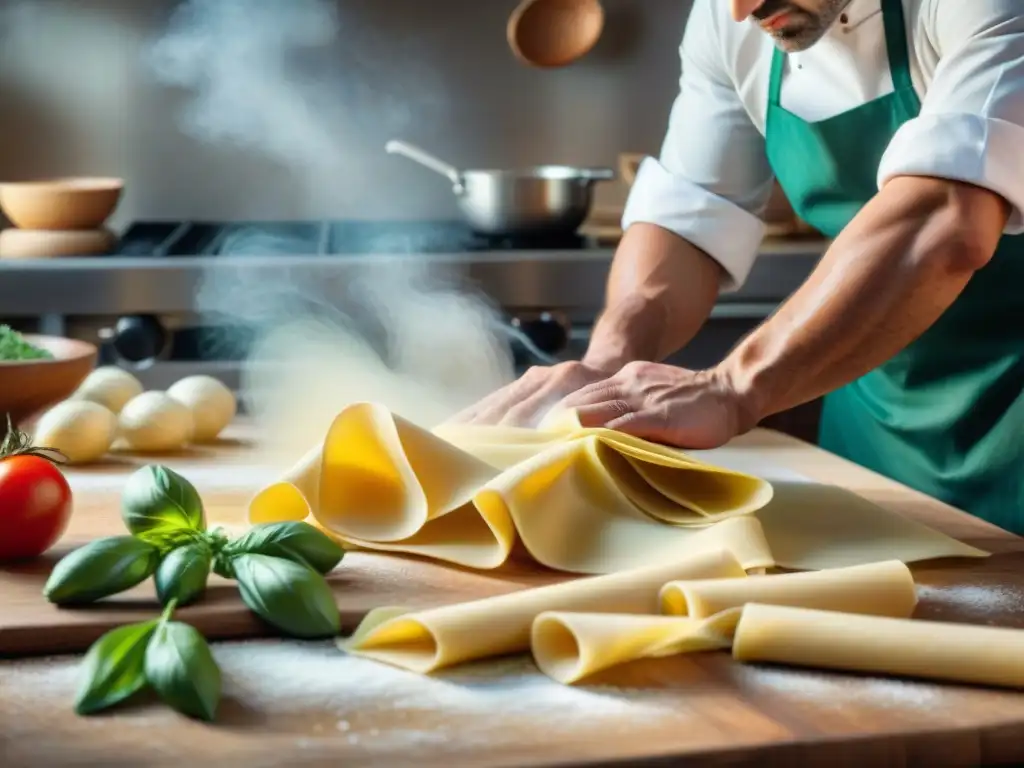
101, 568
114, 667
183, 572
182, 670
297, 541
290, 596
161, 506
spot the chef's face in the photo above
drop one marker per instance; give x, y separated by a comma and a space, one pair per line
795, 25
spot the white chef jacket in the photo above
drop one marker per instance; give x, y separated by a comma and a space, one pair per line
712, 179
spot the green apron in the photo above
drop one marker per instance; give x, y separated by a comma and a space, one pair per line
945, 415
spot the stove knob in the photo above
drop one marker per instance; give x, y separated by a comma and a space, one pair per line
138, 338
549, 332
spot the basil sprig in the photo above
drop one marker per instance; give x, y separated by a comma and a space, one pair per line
279, 568
170, 657
169, 541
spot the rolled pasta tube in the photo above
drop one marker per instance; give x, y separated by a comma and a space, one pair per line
878, 589
570, 646
424, 641
882, 645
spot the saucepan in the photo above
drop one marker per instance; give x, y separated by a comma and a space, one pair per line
525, 202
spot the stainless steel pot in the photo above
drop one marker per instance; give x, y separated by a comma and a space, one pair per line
544, 200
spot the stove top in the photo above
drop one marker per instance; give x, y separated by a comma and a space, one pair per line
324, 238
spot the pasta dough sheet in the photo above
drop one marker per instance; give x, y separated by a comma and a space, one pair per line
570, 646
585, 501
811, 526
871, 644
424, 641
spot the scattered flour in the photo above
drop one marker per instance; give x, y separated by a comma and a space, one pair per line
317, 677
977, 599
833, 691
312, 691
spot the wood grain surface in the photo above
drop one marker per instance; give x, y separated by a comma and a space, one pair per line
701, 709
29, 625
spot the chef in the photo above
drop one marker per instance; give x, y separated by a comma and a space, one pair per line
896, 128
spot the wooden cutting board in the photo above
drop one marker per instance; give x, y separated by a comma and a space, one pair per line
694, 709
29, 625
227, 475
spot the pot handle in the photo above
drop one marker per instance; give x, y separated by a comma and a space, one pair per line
597, 174
426, 159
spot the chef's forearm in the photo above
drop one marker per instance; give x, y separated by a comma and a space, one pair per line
660, 291
888, 276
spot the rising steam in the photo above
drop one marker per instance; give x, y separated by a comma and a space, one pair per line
242, 64
390, 332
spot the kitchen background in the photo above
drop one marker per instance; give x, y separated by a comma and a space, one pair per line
199, 124
76, 98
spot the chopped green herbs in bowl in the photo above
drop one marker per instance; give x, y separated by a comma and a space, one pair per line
37, 372
16, 348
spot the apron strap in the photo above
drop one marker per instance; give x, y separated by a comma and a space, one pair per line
775, 81
895, 43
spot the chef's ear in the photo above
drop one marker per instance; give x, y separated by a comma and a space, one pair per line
743, 8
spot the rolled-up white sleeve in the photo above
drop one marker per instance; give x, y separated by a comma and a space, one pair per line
712, 180
971, 126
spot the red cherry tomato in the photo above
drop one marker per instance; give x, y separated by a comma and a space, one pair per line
35, 506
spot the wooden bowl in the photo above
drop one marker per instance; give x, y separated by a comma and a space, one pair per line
60, 204
554, 33
30, 386
50, 243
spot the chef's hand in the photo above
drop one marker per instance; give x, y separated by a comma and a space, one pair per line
664, 404
524, 402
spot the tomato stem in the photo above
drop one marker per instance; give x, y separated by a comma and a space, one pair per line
17, 443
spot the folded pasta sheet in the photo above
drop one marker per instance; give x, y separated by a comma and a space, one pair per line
427, 640
870, 644
570, 646
586, 501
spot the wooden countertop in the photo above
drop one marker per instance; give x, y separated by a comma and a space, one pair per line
289, 703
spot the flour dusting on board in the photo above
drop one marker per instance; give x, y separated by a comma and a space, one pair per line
312, 690
362, 694
834, 691
978, 599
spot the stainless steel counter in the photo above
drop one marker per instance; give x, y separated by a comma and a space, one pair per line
570, 281
84, 297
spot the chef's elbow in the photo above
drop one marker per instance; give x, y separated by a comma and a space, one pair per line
962, 223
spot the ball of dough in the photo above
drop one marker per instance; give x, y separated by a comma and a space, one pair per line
153, 422
81, 430
109, 386
211, 403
